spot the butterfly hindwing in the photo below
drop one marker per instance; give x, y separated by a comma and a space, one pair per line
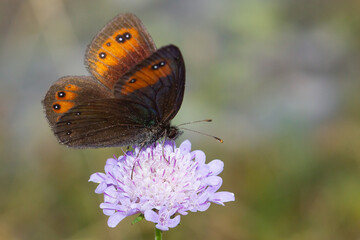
105, 123
70, 91
120, 45
158, 82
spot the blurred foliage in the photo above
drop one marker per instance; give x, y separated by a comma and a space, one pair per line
279, 78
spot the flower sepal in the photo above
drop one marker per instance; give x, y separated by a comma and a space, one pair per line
138, 219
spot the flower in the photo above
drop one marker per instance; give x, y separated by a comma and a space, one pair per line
166, 182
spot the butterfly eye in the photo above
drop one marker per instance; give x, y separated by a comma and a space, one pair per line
56, 106
120, 38
102, 55
61, 94
127, 35
132, 80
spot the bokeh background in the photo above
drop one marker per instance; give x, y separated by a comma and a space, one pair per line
280, 79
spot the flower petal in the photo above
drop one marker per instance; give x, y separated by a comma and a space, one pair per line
174, 221
111, 161
203, 207
97, 177
203, 170
200, 156
185, 146
101, 188
116, 207
151, 216
214, 188
212, 180
216, 166
161, 227
221, 197
182, 212
108, 212
115, 219
168, 149
111, 192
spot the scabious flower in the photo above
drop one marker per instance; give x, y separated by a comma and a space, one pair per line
167, 182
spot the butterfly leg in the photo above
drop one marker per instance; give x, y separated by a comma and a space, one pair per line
124, 152
136, 160
163, 151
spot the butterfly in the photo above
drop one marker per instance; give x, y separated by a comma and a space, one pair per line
133, 93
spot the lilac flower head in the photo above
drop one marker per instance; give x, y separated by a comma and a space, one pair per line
167, 182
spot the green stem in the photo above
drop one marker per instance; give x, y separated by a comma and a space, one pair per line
158, 234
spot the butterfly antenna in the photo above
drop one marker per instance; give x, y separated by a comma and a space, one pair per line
216, 138
204, 120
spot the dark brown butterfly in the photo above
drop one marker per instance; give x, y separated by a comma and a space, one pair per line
133, 94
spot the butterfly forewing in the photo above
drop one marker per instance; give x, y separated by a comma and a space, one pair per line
158, 82
120, 45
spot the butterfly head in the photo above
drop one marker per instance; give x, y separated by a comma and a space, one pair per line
173, 132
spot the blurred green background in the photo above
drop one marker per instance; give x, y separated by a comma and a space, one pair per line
280, 79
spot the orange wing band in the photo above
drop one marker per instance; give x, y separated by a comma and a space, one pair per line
62, 106
145, 77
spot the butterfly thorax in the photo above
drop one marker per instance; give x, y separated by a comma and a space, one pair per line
162, 131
